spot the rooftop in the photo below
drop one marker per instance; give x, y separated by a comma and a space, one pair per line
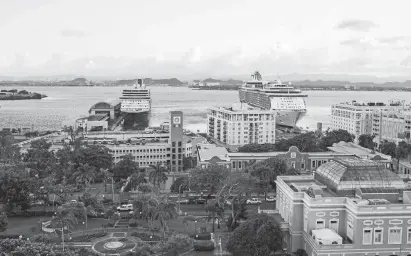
352, 148
350, 173
241, 110
210, 153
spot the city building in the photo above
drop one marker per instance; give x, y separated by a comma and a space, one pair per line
356, 117
392, 125
350, 207
237, 126
303, 162
98, 122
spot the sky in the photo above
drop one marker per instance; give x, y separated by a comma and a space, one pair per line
203, 38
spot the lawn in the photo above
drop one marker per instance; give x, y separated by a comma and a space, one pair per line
24, 225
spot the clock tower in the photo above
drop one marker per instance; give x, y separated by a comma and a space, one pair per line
176, 139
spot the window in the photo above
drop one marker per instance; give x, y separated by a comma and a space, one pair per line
293, 164
394, 235
302, 166
239, 165
409, 235
320, 224
313, 164
234, 165
306, 223
350, 232
367, 236
334, 225
377, 235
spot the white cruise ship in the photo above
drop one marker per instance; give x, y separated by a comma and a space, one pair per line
274, 95
136, 103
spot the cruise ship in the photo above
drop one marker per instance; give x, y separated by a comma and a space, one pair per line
276, 96
136, 105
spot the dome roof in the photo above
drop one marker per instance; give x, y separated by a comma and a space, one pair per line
351, 173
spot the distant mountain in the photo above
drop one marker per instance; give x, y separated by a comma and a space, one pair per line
211, 80
171, 81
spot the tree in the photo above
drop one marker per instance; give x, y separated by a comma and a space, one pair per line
189, 162
388, 148
236, 185
180, 181
165, 211
335, 136
69, 214
305, 142
15, 188
9, 153
267, 147
209, 178
214, 212
125, 167
39, 157
84, 174
266, 172
158, 174
260, 235
240, 213
402, 151
3, 222
366, 141
97, 156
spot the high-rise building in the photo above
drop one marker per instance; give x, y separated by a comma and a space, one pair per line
356, 117
176, 140
239, 126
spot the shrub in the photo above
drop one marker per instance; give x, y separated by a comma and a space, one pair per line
88, 237
202, 236
7, 245
42, 238
201, 245
146, 237
132, 225
177, 242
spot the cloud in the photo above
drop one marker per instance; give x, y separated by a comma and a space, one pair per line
357, 25
72, 33
392, 39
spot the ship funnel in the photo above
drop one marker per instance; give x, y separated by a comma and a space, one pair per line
140, 82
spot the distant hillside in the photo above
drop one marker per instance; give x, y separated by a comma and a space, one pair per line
321, 83
171, 81
150, 81
211, 80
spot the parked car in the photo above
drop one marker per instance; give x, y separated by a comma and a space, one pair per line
201, 200
270, 199
125, 207
183, 201
253, 201
227, 202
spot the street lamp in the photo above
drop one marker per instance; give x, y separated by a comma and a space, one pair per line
221, 249
83, 227
179, 198
112, 187
195, 227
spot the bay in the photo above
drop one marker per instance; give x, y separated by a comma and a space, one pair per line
64, 104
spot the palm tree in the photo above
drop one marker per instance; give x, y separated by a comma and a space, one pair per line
158, 175
214, 211
136, 179
164, 212
105, 175
85, 174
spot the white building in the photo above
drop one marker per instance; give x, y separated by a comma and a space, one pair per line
394, 125
356, 117
239, 126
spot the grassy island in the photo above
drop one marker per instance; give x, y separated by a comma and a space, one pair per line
20, 95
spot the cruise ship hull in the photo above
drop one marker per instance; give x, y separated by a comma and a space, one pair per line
289, 119
136, 121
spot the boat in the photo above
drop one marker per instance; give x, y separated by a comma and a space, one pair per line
274, 95
136, 106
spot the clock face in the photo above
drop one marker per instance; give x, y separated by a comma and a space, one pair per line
177, 120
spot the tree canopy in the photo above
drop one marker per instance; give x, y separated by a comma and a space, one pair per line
305, 142
209, 178
3, 222
175, 186
125, 167
260, 235
366, 141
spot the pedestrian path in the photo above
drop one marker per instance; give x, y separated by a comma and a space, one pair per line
121, 224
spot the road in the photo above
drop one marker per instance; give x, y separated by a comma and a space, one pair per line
190, 209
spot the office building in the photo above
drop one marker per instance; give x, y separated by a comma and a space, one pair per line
237, 126
176, 141
356, 117
350, 207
